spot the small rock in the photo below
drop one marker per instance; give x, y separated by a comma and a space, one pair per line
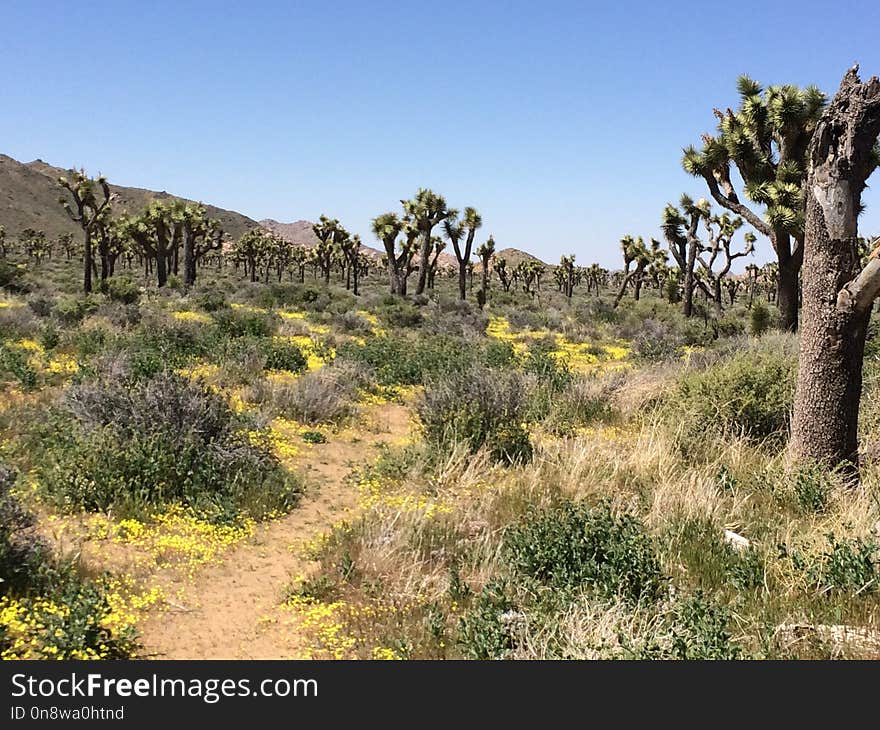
737, 542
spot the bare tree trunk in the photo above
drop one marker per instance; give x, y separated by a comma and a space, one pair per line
837, 298
87, 264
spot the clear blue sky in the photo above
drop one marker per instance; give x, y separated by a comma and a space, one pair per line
562, 122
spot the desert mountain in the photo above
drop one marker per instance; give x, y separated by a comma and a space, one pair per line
29, 199
300, 233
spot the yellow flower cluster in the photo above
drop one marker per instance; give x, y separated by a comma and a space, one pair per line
373, 495
284, 437
127, 602
249, 308
36, 628
283, 377
580, 357
62, 365
4, 304
307, 345
172, 537
200, 317
200, 371
285, 314
323, 622
383, 653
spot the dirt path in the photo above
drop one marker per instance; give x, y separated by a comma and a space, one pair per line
230, 610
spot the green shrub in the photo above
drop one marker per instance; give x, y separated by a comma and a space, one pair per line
479, 407
210, 299
120, 289
21, 549
848, 565
572, 546
484, 632
710, 562
701, 631
499, 354
135, 446
284, 355
549, 370
812, 489
314, 437
12, 277
14, 362
759, 318
41, 305
246, 322
748, 393
71, 310
400, 360
57, 613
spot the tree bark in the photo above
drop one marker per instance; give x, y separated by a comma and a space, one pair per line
87, 263
837, 302
787, 290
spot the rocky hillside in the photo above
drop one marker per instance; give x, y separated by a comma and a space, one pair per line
29, 199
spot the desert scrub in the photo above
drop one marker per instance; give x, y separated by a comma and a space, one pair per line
246, 321
571, 546
481, 408
133, 446
747, 393
327, 395
399, 360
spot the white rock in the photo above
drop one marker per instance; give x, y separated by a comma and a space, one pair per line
737, 542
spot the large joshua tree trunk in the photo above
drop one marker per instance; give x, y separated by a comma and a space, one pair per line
787, 289
837, 297
189, 259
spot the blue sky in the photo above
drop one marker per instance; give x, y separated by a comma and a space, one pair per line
562, 122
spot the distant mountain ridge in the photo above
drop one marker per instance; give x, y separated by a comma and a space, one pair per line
29, 195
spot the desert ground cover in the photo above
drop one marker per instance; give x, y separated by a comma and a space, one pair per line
250, 469
278, 442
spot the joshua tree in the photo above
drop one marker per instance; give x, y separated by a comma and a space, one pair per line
504, 276
3, 247
766, 140
485, 252
721, 230
329, 233
751, 282
680, 230
635, 252
351, 246
200, 236
456, 230
566, 269
153, 232
35, 244
426, 210
251, 249
529, 272
596, 276
838, 291
91, 204
66, 242
387, 227
113, 239
439, 246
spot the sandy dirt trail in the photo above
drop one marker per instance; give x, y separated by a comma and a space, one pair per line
229, 610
